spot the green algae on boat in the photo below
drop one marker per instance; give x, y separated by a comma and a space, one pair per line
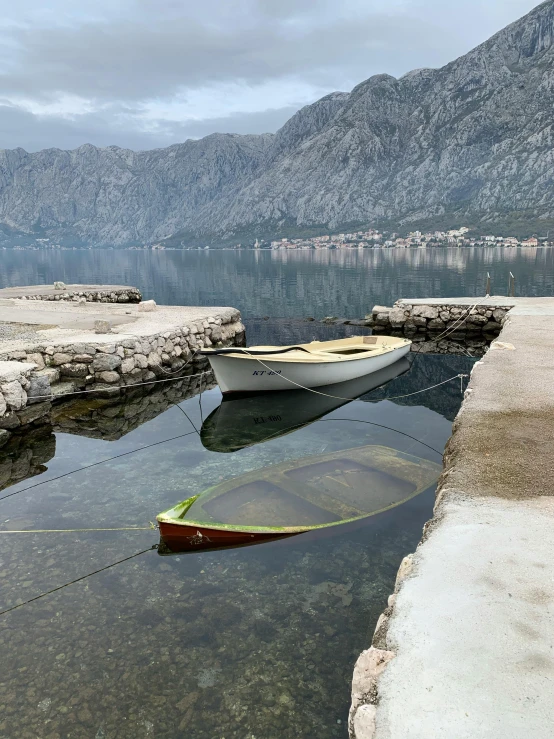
293, 497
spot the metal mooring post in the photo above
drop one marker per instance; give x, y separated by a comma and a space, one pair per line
512, 286
488, 288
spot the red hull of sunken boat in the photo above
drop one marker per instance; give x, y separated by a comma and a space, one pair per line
181, 538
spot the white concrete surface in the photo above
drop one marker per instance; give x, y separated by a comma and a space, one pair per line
66, 322
474, 628
539, 304
472, 625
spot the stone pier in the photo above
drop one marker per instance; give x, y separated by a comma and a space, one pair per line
464, 649
76, 293
49, 349
461, 316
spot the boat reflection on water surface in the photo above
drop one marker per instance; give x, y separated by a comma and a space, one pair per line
240, 422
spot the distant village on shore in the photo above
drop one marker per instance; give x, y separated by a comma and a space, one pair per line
368, 239
375, 239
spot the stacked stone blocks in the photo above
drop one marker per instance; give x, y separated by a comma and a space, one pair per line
44, 372
413, 319
123, 295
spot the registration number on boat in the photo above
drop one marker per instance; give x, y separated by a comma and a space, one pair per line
266, 372
267, 419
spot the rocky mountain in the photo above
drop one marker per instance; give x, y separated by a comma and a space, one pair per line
473, 139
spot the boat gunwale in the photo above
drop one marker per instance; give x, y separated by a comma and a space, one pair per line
280, 529
316, 356
164, 518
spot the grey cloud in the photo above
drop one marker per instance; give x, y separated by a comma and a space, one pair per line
134, 53
133, 62
135, 58
31, 132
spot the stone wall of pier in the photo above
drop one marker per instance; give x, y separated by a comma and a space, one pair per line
411, 319
112, 417
46, 372
25, 449
115, 295
16, 384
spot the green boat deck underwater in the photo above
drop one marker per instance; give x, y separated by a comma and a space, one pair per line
311, 494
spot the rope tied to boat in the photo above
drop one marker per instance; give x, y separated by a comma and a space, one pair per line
456, 325
151, 527
338, 397
78, 579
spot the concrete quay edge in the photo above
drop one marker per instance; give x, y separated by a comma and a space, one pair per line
62, 352
465, 648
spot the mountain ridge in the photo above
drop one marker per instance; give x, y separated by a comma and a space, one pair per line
470, 140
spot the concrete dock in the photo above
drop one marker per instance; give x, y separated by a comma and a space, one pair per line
465, 649
53, 348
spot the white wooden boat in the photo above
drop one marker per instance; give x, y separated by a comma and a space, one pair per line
263, 368
242, 420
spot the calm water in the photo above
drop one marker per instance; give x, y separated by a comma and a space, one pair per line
251, 643
345, 283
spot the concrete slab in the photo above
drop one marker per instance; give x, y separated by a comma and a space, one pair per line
472, 626
473, 630
63, 314
66, 322
492, 301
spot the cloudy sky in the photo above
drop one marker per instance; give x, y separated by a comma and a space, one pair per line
148, 73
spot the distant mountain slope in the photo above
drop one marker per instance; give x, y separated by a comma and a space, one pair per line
474, 138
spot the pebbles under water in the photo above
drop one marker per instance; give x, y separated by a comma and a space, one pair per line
251, 643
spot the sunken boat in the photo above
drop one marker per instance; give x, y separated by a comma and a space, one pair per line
311, 494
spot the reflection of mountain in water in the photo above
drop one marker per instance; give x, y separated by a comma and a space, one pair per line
347, 282
427, 370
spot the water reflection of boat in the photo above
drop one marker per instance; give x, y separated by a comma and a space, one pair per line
243, 421
310, 494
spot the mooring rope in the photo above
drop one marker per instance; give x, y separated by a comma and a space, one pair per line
152, 527
94, 464
78, 579
372, 423
338, 397
425, 389
118, 387
458, 321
